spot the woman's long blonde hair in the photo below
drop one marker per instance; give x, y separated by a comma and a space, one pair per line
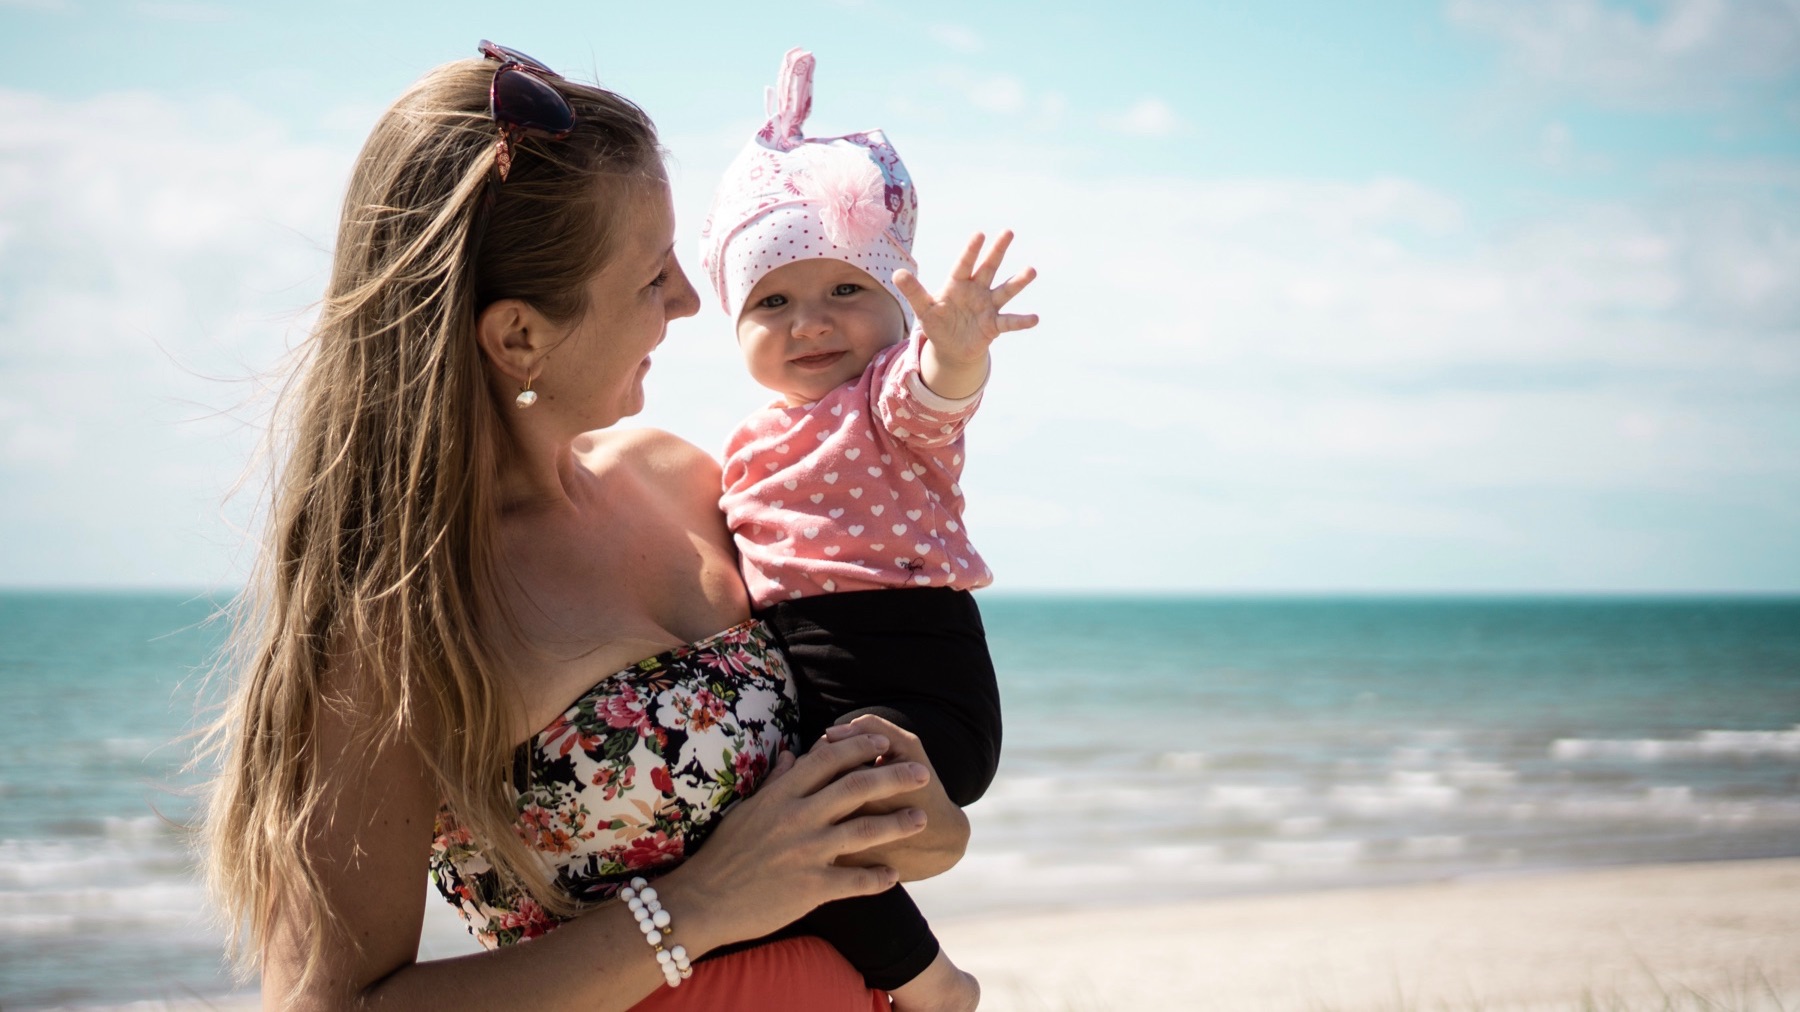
378, 568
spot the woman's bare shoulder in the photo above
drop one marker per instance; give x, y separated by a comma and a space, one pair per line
655, 453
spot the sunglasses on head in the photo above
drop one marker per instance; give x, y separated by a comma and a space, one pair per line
523, 102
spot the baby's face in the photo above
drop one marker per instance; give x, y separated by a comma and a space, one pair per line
812, 325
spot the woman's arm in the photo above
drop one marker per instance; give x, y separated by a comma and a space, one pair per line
770, 862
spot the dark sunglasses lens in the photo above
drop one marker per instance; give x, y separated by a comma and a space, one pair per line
507, 54
522, 99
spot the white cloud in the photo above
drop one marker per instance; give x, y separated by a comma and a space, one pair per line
957, 38
1238, 383
1148, 117
152, 254
1229, 351
996, 93
1685, 52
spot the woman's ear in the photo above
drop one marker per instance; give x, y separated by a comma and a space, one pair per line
514, 337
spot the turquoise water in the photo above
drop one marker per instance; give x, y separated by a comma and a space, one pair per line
1156, 748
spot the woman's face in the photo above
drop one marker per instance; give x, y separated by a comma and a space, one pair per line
600, 364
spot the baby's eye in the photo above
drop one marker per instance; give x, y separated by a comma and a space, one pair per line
773, 302
847, 288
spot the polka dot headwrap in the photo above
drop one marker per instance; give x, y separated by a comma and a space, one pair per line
791, 197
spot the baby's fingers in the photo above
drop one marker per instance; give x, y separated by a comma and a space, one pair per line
920, 299
990, 265
1014, 285
1009, 322
965, 264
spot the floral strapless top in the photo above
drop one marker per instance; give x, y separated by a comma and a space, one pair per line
630, 778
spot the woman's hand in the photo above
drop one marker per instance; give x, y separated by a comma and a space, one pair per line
946, 835
775, 854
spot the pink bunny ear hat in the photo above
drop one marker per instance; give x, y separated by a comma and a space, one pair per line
790, 197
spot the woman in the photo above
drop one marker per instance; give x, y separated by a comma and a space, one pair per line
459, 547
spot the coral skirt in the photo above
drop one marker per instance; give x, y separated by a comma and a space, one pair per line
792, 975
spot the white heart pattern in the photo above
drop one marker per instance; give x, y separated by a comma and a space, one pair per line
790, 484
914, 514
834, 514
837, 411
874, 472
885, 459
810, 532
778, 504
877, 548
830, 477
856, 493
818, 497
899, 528
877, 510
950, 525
783, 448
918, 468
922, 580
856, 530
922, 548
906, 476
852, 454
829, 585
831, 549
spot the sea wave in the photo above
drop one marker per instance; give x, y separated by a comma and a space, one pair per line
1703, 745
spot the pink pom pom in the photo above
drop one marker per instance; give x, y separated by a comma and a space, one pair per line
851, 194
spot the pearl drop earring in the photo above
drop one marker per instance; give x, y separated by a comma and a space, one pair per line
527, 396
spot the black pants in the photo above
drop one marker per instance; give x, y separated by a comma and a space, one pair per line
919, 658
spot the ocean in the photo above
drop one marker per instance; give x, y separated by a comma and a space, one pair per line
1157, 748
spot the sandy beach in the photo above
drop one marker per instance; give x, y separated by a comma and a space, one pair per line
1700, 936
1713, 936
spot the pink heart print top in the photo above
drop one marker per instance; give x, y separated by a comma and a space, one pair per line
856, 491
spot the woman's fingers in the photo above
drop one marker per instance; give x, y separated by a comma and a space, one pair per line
826, 762
853, 881
857, 788
867, 831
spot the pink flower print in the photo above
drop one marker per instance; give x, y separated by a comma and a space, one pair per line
570, 736
750, 767
529, 919
611, 781
626, 709
705, 711
652, 851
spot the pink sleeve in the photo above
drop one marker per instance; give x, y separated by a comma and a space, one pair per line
910, 411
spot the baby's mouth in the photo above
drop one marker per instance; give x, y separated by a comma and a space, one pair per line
823, 358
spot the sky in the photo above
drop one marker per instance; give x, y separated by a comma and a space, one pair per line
1483, 296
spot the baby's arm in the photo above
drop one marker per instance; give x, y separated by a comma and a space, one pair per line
960, 322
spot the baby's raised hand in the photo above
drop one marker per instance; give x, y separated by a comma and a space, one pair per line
962, 320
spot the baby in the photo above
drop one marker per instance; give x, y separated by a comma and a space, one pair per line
843, 495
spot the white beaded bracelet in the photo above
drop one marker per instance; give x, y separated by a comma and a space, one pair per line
653, 921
